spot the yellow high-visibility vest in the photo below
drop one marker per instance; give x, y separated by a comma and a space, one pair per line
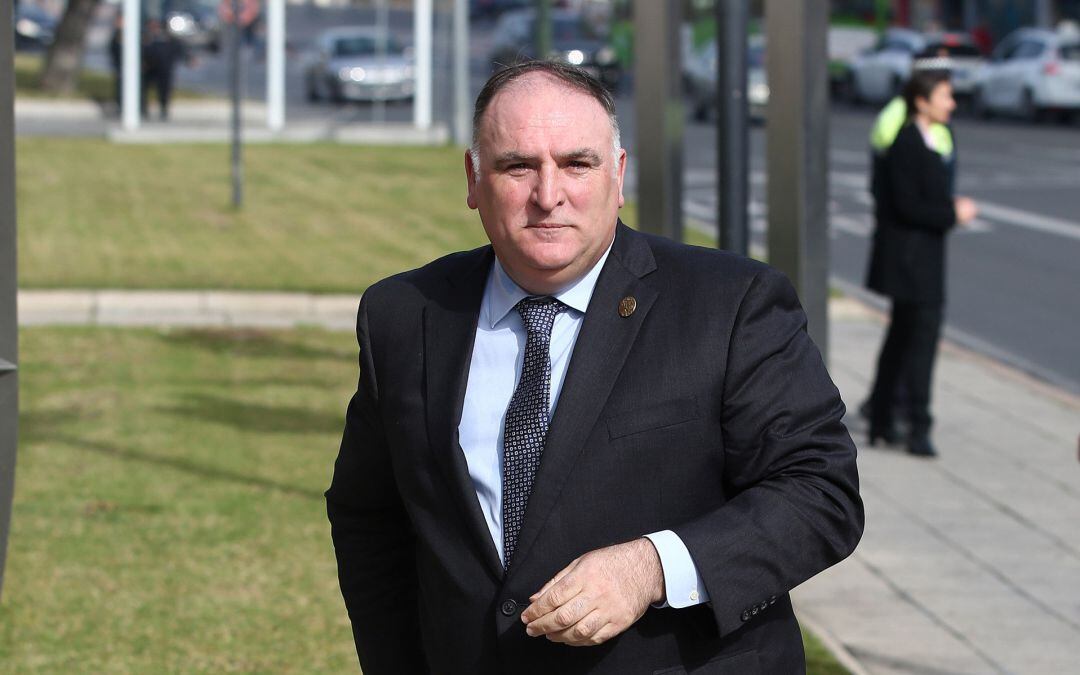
891, 119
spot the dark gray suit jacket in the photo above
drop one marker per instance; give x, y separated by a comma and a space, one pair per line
708, 411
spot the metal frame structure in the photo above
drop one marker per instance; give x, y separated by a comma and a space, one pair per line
660, 118
798, 152
275, 64
9, 327
732, 140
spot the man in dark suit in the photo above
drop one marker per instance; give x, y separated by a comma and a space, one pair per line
582, 449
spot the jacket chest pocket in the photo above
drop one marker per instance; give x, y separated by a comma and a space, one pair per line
653, 417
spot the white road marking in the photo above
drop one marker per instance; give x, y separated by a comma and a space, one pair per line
1032, 221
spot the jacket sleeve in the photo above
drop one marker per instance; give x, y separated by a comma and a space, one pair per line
372, 534
916, 210
793, 506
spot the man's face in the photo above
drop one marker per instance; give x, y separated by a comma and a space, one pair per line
550, 185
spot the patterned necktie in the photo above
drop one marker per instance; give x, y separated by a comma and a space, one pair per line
527, 417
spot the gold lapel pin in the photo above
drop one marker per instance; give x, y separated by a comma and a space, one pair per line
627, 306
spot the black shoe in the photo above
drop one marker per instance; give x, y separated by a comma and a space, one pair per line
920, 446
887, 433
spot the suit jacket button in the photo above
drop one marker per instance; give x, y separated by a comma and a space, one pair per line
745, 616
509, 608
772, 600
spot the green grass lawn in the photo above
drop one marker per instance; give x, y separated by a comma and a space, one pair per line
319, 218
316, 217
168, 513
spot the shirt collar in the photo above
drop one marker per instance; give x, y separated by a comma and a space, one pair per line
502, 294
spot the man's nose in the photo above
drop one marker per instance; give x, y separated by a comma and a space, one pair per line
547, 193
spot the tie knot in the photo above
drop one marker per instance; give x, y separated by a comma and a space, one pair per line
538, 314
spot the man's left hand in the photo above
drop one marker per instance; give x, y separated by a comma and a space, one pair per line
598, 595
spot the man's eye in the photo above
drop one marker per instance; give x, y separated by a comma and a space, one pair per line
579, 166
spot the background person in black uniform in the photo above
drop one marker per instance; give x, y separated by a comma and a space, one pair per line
161, 53
915, 212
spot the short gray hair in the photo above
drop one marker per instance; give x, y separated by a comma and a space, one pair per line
572, 77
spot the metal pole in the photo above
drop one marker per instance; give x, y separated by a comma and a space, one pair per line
797, 152
9, 331
659, 112
275, 65
732, 158
234, 66
131, 94
1044, 13
971, 14
462, 107
542, 29
422, 18
382, 39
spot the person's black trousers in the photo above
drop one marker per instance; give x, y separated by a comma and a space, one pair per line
908, 353
163, 83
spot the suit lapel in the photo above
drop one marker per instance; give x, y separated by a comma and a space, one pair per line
449, 330
599, 353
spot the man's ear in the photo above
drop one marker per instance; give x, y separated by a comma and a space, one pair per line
470, 177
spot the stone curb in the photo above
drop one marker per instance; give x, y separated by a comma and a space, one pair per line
232, 309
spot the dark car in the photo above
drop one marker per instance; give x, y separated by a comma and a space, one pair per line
34, 27
573, 41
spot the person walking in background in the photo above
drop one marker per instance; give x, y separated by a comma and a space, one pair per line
116, 59
915, 210
161, 52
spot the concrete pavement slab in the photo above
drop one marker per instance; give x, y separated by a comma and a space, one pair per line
55, 307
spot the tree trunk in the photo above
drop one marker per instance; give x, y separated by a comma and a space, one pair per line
63, 62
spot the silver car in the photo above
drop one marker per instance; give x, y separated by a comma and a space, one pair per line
1032, 71
359, 64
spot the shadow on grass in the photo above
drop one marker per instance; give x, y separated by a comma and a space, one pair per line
186, 466
257, 417
46, 427
253, 342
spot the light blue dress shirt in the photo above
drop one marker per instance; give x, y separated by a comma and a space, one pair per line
497, 356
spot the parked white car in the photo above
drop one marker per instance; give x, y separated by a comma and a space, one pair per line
1032, 71
880, 73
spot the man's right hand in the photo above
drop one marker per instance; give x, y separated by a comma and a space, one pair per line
966, 210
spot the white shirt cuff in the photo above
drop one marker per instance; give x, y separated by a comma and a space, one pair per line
683, 586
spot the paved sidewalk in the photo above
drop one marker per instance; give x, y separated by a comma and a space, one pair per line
970, 562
